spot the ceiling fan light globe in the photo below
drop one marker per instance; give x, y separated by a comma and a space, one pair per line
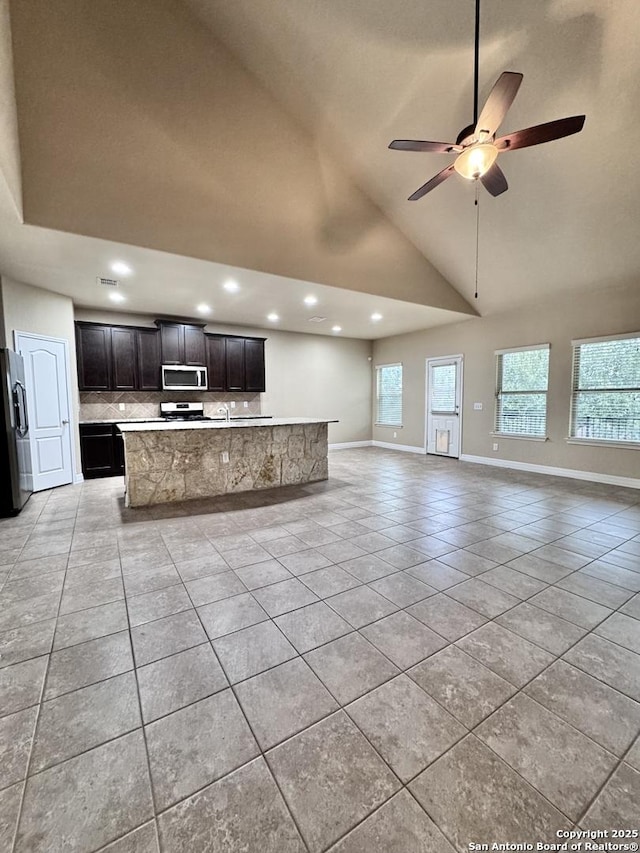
476, 160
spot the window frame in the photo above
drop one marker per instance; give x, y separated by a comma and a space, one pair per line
575, 354
378, 369
523, 436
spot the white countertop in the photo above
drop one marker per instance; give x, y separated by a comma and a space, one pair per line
163, 420
163, 426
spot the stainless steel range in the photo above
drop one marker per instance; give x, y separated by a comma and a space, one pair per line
183, 412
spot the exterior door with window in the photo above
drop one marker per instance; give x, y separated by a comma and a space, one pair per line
444, 403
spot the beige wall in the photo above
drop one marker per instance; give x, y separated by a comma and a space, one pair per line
306, 375
31, 309
146, 130
9, 145
556, 322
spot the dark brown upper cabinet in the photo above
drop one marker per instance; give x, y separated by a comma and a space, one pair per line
194, 346
254, 364
235, 364
129, 358
93, 348
148, 360
117, 358
124, 358
182, 344
172, 343
216, 362
245, 364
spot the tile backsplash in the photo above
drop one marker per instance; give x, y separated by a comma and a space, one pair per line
104, 405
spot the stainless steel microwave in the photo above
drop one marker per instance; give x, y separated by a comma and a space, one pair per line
182, 377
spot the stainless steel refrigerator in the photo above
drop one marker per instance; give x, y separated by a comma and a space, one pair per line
15, 450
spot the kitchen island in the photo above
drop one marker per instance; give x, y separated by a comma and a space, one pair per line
182, 460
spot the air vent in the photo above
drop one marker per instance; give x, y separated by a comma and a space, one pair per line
107, 282
317, 319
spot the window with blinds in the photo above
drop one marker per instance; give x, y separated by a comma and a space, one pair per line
605, 401
389, 395
521, 391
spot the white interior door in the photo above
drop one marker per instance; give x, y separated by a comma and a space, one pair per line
444, 405
46, 371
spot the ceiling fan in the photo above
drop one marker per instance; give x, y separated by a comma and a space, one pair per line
476, 146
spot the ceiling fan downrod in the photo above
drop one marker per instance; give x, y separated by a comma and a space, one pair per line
476, 64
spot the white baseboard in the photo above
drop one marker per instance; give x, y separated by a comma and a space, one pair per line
591, 476
407, 448
347, 445
78, 478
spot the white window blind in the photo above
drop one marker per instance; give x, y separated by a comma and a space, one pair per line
443, 388
521, 391
389, 394
605, 401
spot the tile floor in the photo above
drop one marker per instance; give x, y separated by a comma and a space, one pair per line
417, 655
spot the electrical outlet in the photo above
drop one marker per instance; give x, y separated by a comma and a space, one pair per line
224, 457
495, 446
477, 407
121, 406
246, 405
232, 405
395, 435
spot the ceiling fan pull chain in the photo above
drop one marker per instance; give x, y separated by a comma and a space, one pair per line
477, 237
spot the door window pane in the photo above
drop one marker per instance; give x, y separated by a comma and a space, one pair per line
443, 388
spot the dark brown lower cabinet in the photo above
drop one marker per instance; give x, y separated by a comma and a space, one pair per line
102, 450
118, 451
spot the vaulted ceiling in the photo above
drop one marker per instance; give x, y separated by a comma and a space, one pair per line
254, 134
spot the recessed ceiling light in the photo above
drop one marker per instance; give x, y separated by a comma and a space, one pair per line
375, 317
336, 328
120, 268
273, 317
117, 297
310, 300
231, 286
203, 308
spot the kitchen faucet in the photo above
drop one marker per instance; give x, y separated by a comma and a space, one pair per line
225, 411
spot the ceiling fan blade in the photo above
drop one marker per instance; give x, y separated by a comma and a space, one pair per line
499, 100
432, 184
494, 180
541, 133
419, 145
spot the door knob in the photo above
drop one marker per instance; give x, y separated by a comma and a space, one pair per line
65, 421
